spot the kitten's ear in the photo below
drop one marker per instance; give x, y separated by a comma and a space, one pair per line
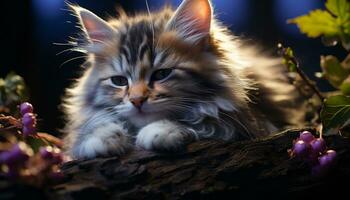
96, 29
192, 20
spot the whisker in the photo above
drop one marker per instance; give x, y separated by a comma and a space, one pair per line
62, 44
237, 121
72, 59
100, 41
66, 50
152, 24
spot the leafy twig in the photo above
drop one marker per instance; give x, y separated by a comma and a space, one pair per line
289, 57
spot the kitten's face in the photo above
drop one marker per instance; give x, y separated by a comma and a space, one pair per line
154, 67
162, 82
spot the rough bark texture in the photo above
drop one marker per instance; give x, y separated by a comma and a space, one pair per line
206, 170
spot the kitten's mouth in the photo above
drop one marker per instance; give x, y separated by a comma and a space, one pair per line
145, 111
140, 111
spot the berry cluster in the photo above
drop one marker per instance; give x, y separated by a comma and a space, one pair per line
21, 163
313, 151
13, 160
22, 160
52, 155
28, 119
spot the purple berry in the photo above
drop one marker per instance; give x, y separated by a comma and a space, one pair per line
332, 153
46, 153
318, 145
57, 159
19, 154
29, 123
26, 108
325, 162
5, 157
301, 148
27, 131
29, 120
52, 155
57, 156
328, 158
306, 136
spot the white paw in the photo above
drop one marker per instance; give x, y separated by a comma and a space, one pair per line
161, 135
105, 140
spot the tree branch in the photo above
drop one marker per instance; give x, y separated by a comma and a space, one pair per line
207, 169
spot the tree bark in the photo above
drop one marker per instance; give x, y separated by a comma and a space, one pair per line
208, 169
257, 169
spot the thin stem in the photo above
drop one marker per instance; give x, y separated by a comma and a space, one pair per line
301, 73
8, 128
43, 140
310, 83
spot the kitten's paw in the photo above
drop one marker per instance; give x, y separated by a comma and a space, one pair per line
109, 139
162, 135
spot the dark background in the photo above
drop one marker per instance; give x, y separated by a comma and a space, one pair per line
30, 29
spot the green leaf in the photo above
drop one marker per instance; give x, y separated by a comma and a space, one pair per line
289, 52
333, 70
12, 81
347, 27
335, 113
317, 23
339, 8
13, 91
345, 86
291, 66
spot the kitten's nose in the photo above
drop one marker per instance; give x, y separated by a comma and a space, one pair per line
138, 101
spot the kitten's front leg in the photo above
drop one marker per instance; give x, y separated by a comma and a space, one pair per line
105, 139
163, 135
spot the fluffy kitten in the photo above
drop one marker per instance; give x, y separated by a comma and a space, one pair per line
160, 80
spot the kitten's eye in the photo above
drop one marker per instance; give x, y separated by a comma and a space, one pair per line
119, 81
161, 74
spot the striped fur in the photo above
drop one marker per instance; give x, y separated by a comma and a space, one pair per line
218, 88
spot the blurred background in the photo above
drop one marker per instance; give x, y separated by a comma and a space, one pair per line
33, 29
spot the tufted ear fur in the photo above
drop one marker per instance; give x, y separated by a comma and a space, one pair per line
192, 20
97, 30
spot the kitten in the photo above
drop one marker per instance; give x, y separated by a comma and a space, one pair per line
160, 80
